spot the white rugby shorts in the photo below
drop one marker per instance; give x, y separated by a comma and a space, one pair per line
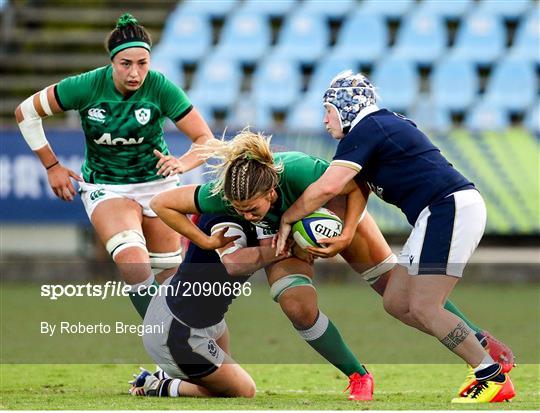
94, 194
445, 235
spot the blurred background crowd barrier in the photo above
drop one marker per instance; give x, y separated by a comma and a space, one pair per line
466, 71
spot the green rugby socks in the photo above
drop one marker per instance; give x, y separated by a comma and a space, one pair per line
325, 338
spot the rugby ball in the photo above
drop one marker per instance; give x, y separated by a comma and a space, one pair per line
322, 223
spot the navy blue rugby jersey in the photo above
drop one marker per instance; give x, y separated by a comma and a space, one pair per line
400, 164
190, 303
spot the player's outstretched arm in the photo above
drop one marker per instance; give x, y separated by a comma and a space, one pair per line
196, 129
172, 207
29, 116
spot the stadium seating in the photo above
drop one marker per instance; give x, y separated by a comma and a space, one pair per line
505, 9
454, 84
527, 38
172, 70
337, 9
421, 39
486, 116
397, 83
326, 70
451, 10
304, 38
428, 117
217, 83
512, 85
532, 118
363, 37
216, 9
246, 37
191, 30
271, 8
307, 115
276, 83
392, 9
481, 38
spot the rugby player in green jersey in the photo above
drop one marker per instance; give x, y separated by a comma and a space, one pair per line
122, 107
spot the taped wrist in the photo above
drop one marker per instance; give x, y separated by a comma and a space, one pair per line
31, 127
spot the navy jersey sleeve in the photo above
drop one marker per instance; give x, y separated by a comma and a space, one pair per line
360, 144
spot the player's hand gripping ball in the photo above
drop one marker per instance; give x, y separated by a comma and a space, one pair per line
322, 223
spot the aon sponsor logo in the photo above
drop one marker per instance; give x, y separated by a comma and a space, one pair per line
106, 139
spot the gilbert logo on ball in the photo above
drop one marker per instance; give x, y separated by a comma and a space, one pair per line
322, 223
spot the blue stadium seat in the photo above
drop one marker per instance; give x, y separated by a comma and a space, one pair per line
172, 70
393, 9
481, 38
532, 119
512, 85
246, 113
397, 83
306, 116
484, 116
326, 70
304, 37
212, 8
217, 82
363, 36
454, 84
336, 10
527, 38
421, 38
186, 37
505, 9
428, 117
245, 37
270, 8
276, 83
451, 10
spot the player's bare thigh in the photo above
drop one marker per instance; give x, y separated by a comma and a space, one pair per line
368, 247
116, 215
159, 236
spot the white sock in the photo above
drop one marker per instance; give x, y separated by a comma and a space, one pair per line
486, 362
134, 287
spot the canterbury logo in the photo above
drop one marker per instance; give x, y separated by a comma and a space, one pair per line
96, 114
97, 194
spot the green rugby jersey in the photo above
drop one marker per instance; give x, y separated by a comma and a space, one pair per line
299, 171
122, 132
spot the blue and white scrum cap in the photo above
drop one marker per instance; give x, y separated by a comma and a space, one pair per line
349, 93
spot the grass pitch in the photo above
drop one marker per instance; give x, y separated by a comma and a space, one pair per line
411, 370
281, 387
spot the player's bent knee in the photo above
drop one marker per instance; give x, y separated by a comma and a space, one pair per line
373, 275
289, 282
161, 261
126, 239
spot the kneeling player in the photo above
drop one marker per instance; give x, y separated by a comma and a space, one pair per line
193, 350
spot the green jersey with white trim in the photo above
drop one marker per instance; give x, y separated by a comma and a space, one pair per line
122, 131
299, 171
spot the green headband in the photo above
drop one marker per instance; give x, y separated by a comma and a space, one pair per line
127, 45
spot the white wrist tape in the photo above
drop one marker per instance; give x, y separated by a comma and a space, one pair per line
31, 127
